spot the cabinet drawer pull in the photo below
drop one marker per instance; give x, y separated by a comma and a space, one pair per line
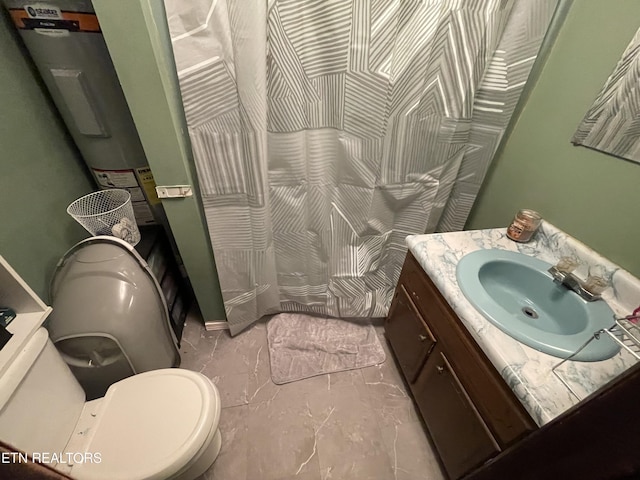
422, 337
440, 369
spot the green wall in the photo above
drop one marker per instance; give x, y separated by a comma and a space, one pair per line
590, 195
140, 49
41, 170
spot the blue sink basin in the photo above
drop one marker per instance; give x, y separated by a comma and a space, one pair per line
517, 294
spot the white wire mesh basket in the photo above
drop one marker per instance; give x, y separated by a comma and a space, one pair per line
107, 212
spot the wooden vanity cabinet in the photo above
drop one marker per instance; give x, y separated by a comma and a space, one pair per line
460, 434
469, 411
411, 337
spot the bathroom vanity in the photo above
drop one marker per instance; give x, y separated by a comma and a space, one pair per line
482, 394
469, 410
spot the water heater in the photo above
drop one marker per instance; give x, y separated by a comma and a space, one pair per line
67, 46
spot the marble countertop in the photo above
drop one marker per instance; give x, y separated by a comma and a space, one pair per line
527, 371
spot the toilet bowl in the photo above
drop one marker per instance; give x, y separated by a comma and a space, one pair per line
161, 424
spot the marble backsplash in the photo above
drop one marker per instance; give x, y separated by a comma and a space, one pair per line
526, 370
623, 295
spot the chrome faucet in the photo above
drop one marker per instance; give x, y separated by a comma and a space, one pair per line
570, 281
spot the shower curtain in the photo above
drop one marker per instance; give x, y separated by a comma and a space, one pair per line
326, 131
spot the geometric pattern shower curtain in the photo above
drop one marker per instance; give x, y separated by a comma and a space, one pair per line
326, 131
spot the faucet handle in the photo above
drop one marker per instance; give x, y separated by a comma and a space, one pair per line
567, 264
595, 284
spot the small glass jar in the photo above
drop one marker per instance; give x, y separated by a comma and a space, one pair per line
524, 225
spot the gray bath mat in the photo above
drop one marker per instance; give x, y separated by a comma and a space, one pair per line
302, 346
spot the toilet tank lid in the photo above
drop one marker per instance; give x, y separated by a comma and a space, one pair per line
151, 425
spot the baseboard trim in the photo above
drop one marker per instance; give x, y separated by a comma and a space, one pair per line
213, 325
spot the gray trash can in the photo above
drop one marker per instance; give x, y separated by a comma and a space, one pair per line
109, 318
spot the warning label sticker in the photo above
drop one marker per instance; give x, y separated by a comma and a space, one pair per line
137, 195
115, 178
145, 176
143, 213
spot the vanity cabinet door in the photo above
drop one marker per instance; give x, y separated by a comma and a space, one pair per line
409, 335
459, 433
498, 406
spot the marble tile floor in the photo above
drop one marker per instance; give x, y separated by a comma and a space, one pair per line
358, 425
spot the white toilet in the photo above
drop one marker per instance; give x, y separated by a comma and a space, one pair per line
161, 424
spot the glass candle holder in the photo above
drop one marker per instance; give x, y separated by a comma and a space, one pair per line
524, 225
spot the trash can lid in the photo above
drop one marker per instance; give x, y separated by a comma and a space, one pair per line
103, 287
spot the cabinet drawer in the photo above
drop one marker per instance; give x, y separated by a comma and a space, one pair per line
409, 335
504, 414
459, 433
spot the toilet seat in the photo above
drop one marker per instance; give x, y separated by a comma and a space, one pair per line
151, 425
